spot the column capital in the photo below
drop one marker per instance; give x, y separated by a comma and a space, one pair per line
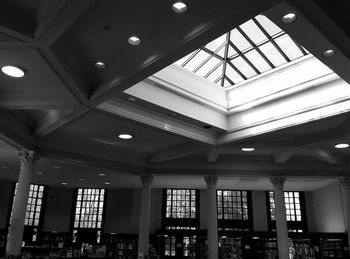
28, 156
146, 180
211, 180
277, 182
344, 182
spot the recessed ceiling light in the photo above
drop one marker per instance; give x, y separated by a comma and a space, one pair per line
247, 149
107, 183
57, 166
100, 65
131, 99
64, 183
133, 40
81, 179
101, 174
13, 71
179, 7
125, 136
341, 145
329, 53
39, 173
289, 18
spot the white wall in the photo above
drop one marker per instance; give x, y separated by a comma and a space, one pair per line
324, 210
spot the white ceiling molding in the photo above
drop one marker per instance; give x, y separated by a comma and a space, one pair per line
157, 120
170, 98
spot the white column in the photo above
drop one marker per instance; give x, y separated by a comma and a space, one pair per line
345, 199
14, 242
145, 215
281, 222
212, 217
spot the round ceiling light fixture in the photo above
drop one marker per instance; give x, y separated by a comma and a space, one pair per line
134, 40
289, 18
13, 71
125, 136
329, 53
248, 149
341, 145
100, 65
64, 183
131, 99
102, 174
179, 7
107, 183
39, 173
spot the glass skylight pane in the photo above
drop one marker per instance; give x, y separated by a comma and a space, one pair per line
272, 54
231, 52
209, 65
239, 41
215, 44
227, 83
253, 32
183, 60
216, 74
269, 26
243, 66
233, 75
221, 52
257, 60
288, 47
197, 60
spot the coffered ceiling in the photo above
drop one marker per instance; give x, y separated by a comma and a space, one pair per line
71, 112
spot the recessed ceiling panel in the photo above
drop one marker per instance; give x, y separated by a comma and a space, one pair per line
39, 87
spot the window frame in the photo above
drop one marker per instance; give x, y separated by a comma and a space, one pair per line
180, 222
225, 225
292, 226
82, 229
29, 230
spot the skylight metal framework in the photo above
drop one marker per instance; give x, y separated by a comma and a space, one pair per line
250, 49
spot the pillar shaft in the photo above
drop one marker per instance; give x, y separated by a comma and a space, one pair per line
212, 217
281, 222
14, 241
345, 198
145, 215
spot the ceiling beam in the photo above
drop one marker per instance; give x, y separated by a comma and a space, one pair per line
61, 18
160, 121
176, 152
15, 132
280, 156
84, 159
21, 30
76, 89
55, 119
323, 154
195, 38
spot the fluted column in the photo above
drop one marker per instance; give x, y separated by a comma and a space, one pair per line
281, 222
345, 198
145, 214
212, 217
14, 241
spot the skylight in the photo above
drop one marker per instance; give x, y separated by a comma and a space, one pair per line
250, 49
